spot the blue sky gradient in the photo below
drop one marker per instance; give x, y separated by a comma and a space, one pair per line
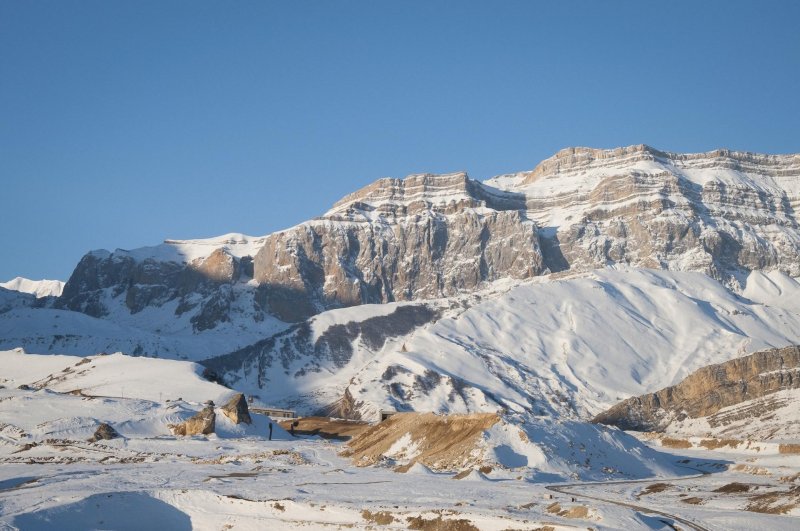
122, 124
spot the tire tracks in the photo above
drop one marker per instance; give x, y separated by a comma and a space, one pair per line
563, 489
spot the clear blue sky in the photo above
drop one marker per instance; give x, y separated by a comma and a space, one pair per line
125, 123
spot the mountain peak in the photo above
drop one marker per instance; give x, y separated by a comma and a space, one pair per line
39, 288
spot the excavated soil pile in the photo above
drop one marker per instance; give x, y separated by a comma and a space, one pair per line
440, 442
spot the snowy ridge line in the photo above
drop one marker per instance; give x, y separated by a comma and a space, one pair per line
39, 288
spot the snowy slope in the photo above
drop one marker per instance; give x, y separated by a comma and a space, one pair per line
567, 348
11, 299
39, 288
153, 332
114, 375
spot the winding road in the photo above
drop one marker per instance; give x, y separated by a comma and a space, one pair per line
563, 489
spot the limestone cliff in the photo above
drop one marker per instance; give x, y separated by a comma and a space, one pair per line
708, 390
723, 213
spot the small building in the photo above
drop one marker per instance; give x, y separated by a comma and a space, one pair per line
386, 413
275, 412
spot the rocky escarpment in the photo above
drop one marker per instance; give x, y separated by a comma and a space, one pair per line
723, 213
422, 237
102, 279
708, 390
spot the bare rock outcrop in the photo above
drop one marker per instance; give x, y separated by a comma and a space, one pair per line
707, 390
724, 213
202, 423
236, 409
104, 432
422, 237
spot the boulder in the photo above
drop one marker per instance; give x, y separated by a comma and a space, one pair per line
236, 410
200, 424
104, 432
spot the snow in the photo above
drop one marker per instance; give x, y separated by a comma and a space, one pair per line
510, 447
188, 251
39, 288
576, 346
114, 375
238, 479
155, 331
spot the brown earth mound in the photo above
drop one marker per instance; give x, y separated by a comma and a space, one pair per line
325, 427
441, 442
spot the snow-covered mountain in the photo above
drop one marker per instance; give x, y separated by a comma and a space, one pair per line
537, 292
564, 348
722, 213
38, 288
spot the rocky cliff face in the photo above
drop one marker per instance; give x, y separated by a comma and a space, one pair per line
399, 240
723, 213
422, 237
708, 390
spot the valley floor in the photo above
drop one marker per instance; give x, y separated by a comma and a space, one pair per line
252, 483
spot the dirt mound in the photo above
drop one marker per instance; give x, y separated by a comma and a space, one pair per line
440, 442
732, 488
327, 428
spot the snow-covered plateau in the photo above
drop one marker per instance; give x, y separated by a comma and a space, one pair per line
494, 321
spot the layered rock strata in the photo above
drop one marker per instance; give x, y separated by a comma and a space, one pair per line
708, 390
723, 213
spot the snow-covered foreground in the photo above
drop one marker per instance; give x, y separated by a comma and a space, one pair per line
251, 483
52, 477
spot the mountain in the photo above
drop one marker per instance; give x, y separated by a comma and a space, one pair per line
739, 398
597, 275
541, 298
723, 213
38, 288
561, 348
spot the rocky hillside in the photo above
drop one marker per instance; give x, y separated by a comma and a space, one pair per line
566, 347
709, 390
723, 213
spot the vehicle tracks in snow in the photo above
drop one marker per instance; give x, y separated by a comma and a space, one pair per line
564, 489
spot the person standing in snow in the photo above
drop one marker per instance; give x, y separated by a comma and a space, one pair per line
270, 431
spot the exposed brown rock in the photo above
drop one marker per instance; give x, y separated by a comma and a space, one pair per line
104, 432
707, 390
325, 427
325, 263
443, 442
429, 236
200, 424
236, 409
